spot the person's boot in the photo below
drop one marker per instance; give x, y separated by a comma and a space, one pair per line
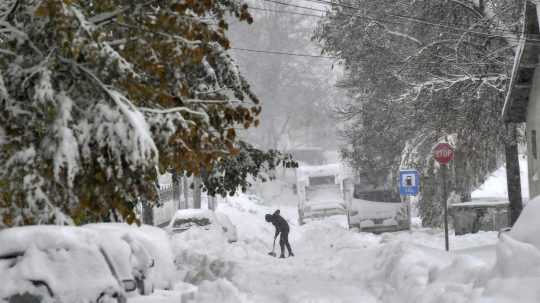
282, 256
291, 254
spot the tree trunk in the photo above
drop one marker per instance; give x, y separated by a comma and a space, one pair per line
512, 173
212, 203
196, 192
186, 192
147, 213
176, 189
461, 176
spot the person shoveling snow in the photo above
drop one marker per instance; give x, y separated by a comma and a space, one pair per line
282, 227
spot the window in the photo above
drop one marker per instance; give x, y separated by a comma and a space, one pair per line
533, 144
189, 222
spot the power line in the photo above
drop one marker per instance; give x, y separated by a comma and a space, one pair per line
410, 18
284, 12
295, 5
414, 19
282, 53
287, 53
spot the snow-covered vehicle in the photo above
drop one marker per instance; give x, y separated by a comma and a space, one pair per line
186, 219
378, 211
59, 264
148, 252
320, 191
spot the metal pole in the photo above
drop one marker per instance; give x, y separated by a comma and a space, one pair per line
445, 204
409, 207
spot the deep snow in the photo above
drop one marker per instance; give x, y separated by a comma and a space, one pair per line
334, 265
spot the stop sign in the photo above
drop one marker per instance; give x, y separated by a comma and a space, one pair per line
443, 153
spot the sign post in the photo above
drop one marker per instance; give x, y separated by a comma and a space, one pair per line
409, 185
444, 153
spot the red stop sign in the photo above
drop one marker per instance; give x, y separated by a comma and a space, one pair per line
443, 153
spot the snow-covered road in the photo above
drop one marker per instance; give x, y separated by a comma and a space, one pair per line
332, 264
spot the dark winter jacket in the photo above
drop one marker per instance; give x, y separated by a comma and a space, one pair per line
281, 224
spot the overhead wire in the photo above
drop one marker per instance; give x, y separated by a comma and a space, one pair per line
282, 53
287, 53
412, 18
334, 57
409, 18
284, 12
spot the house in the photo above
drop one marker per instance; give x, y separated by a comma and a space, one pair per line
522, 103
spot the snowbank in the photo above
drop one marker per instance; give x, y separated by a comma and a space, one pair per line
220, 290
516, 275
527, 227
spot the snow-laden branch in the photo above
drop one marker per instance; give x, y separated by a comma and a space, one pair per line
6, 27
203, 115
398, 34
470, 6
211, 101
106, 49
428, 46
173, 37
109, 16
7, 52
440, 83
486, 11
130, 111
10, 10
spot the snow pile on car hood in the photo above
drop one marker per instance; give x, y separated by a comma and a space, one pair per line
193, 213
65, 258
147, 242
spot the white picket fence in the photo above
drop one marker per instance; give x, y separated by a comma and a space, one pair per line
166, 207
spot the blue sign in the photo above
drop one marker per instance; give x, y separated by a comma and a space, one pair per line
409, 182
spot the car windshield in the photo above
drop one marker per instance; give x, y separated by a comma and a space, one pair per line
185, 223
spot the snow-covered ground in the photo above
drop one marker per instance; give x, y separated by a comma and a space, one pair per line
333, 264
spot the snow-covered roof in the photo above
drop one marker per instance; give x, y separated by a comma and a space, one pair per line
19, 239
193, 213
304, 172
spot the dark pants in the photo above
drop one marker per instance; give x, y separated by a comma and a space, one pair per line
284, 241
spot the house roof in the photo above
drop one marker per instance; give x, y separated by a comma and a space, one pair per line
526, 60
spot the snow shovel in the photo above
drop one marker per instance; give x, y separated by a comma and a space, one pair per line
273, 253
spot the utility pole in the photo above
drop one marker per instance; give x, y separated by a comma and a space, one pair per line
512, 173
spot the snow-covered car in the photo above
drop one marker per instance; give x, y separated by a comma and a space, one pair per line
378, 211
59, 264
152, 262
125, 248
186, 219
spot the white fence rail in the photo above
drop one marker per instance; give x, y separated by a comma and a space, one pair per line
167, 206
